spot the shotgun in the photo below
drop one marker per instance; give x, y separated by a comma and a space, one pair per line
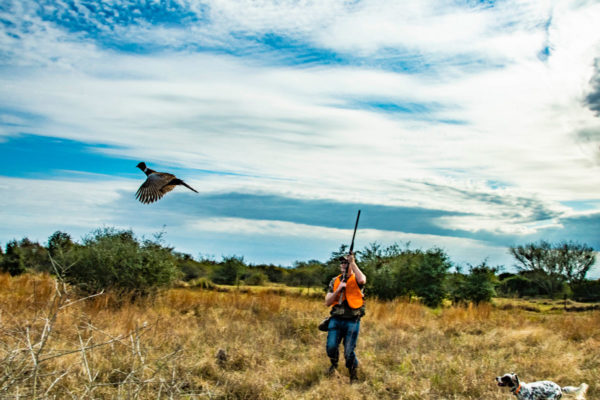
346, 275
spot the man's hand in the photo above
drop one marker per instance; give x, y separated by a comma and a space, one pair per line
331, 297
350, 257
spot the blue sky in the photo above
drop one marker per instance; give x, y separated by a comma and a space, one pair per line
467, 125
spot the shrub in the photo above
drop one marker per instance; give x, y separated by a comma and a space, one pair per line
308, 274
274, 273
478, 285
59, 243
202, 283
520, 286
430, 276
256, 279
229, 271
192, 269
113, 259
396, 272
14, 260
384, 283
588, 291
24, 256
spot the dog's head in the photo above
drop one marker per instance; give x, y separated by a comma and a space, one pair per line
510, 380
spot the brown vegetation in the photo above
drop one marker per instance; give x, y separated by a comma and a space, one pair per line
190, 343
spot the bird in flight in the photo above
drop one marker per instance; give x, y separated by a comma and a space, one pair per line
157, 184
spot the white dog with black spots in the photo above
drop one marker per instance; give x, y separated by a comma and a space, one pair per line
541, 390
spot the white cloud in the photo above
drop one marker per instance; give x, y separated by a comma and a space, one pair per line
265, 228
40, 207
461, 251
37, 208
292, 130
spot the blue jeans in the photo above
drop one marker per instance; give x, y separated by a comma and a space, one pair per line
346, 330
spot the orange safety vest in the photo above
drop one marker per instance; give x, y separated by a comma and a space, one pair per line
352, 293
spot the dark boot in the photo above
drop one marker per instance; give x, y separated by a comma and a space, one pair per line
353, 374
331, 370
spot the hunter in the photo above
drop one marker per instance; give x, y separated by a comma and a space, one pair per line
344, 323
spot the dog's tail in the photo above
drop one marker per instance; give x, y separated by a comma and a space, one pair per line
579, 391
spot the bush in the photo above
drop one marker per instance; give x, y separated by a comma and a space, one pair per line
384, 283
113, 259
431, 273
24, 256
202, 283
478, 285
192, 269
274, 273
230, 271
256, 279
520, 286
308, 274
395, 272
14, 260
59, 243
587, 291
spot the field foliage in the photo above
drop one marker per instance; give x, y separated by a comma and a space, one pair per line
197, 344
116, 260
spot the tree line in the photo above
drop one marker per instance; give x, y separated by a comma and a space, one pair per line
112, 259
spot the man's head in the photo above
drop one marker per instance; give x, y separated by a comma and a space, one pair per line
344, 263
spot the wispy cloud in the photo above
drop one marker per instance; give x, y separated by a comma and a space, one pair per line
593, 98
476, 121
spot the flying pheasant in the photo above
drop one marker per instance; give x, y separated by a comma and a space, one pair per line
157, 185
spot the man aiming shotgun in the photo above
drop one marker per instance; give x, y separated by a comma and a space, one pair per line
345, 298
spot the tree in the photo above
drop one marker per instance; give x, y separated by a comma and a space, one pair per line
274, 273
192, 269
230, 271
532, 256
587, 291
256, 278
389, 271
518, 285
59, 243
551, 266
14, 259
430, 275
535, 258
397, 271
308, 274
479, 285
24, 256
574, 260
59, 248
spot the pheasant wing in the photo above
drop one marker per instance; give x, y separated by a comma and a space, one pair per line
153, 188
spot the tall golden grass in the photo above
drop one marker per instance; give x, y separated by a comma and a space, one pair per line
52, 346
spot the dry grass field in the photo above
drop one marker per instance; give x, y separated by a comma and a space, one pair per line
52, 346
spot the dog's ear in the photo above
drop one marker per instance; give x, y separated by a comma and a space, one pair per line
516, 379
507, 380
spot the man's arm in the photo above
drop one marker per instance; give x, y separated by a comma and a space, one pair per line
361, 278
331, 297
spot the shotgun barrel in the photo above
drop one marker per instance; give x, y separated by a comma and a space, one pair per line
346, 273
354, 234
